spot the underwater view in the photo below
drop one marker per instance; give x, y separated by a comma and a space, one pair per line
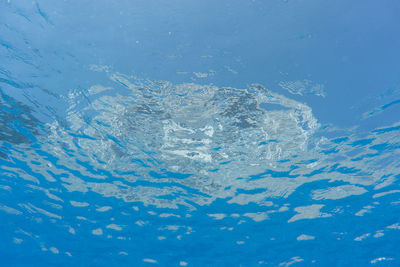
199, 133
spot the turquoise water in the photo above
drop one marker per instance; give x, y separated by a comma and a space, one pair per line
229, 133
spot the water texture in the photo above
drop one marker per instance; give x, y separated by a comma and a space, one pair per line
100, 166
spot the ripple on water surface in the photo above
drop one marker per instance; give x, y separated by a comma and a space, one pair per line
137, 150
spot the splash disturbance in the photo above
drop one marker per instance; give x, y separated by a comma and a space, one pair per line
173, 137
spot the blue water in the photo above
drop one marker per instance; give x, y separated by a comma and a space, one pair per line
199, 133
